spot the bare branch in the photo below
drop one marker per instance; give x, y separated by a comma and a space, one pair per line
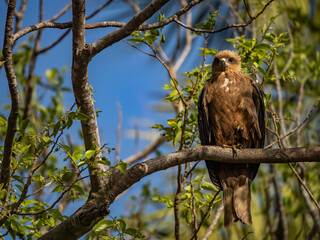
43, 50
49, 24
299, 126
226, 27
69, 30
19, 15
99, 9
117, 158
213, 223
304, 186
282, 222
187, 47
63, 11
247, 6
149, 149
127, 29
30, 80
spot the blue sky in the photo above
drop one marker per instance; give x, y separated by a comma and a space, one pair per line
118, 74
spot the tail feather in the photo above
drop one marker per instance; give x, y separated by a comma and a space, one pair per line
237, 199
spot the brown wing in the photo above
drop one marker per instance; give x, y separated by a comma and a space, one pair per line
257, 96
207, 138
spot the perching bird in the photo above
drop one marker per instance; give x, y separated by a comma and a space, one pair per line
231, 113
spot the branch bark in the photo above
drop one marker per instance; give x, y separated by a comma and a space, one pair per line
87, 216
14, 93
82, 93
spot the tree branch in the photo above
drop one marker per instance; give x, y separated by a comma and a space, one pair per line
226, 27
127, 29
87, 216
13, 87
50, 24
82, 94
149, 149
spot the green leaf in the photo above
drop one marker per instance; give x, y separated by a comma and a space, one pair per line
46, 139
262, 47
122, 166
28, 202
170, 203
102, 225
66, 148
2, 62
67, 176
79, 189
172, 122
161, 17
167, 87
188, 217
56, 214
59, 188
3, 193
82, 116
105, 161
122, 224
3, 121
89, 154
134, 233
208, 186
77, 155
24, 123
208, 51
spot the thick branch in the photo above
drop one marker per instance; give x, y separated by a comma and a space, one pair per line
82, 93
13, 87
85, 218
122, 182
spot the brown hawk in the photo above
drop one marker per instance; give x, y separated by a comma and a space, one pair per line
231, 113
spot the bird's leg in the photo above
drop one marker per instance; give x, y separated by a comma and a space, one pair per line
234, 147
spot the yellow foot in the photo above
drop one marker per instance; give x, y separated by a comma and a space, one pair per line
234, 147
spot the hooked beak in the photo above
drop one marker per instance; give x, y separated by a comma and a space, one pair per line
223, 65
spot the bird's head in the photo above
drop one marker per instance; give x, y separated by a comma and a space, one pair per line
226, 60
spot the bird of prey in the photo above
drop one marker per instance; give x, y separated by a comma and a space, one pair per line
231, 113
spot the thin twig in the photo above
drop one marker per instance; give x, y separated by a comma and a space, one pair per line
149, 149
117, 157
63, 11
53, 204
247, 7
247, 234
193, 207
299, 126
45, 49
226, 27
214, 222
304, 186
49, 24
207, 214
